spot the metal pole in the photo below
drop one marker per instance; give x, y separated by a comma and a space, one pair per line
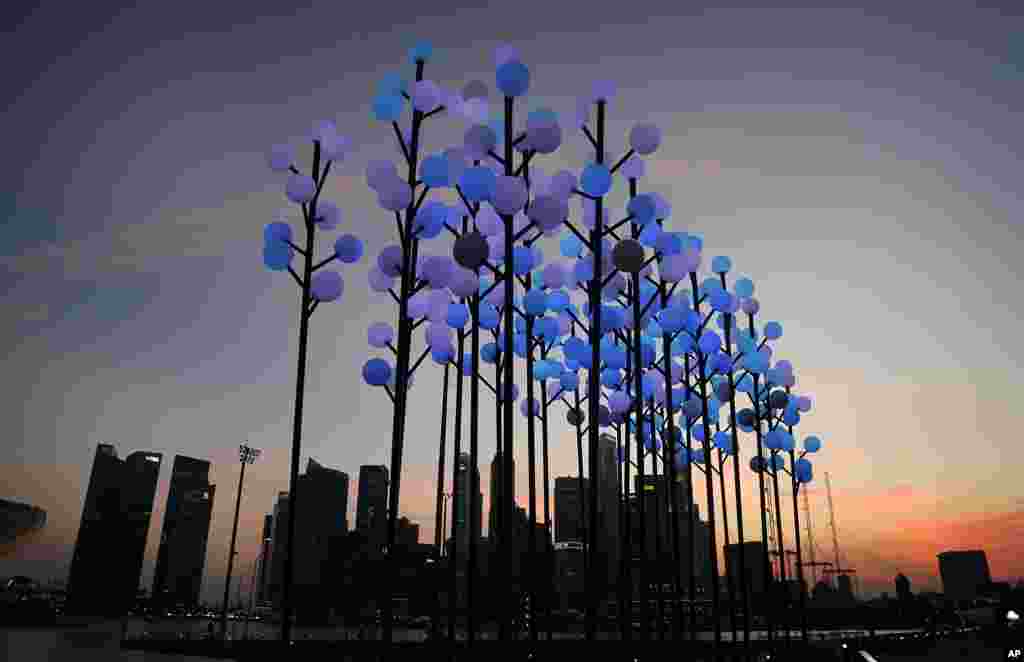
742, 569
701, 367
300, 391
231, 554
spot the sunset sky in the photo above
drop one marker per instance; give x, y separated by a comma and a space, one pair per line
861, 164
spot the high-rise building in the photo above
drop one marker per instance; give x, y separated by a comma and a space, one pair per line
461, 508
178, 577
266, 545
107, 561
757, 578
493, 528
279, 546
608, 504
568, 527
657, 513
372, 504
964, 574
322, 513
569, 574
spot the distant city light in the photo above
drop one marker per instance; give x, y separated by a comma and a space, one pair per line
153, 458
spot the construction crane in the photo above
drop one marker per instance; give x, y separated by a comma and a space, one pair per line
810, 536
838, 570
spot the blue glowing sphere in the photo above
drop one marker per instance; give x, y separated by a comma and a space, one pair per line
435, 171
522, 260
277, 256
744, 288
348, 248
478, 183
278, 231
650, 235
709, 342
376, 372
642, 209
421, 52
388, 107
513, 78
535, 302
570, 246
772, 330
721, 264
596, 179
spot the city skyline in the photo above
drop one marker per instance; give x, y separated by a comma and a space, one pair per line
877, 183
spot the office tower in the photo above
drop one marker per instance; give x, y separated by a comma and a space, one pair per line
756, 578
964, 574
107, 561
264, 561
178, 577
372, 505
278, 549
321, 517
608, 505
568, 527
493, 528
569, 575
461, 508
657, 512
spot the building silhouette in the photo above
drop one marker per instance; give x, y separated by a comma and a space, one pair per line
903, 593
464, 475
322, 515
965, 574
178, 577
407, 535
279, 545
568, 527
266, 545
494, 515
608, 506
372, 504
756, 574
657, 520
107, 561
569, 575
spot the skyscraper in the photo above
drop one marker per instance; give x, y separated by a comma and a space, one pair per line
461, 508
279, 545
107, 560
493, 529
266, 544
964, 574
608, 504
178, 577
321, 518
756, 579
568, 527
372, 504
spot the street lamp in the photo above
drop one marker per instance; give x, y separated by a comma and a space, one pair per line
246, 455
